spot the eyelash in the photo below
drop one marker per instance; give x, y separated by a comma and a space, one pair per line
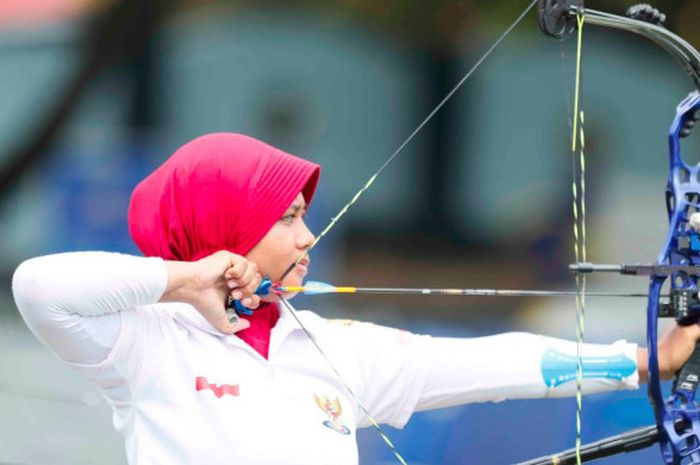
290, 218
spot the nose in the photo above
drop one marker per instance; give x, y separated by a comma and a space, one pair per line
305, 237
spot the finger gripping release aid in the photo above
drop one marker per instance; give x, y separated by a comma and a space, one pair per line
234, 308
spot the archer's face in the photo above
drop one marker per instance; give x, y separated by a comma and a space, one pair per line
283, 244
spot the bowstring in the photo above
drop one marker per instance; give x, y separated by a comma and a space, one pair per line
402, 146
579, 228
360, 404
334, 220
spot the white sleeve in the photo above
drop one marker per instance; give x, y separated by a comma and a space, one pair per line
72, 302
402, 373
519, 366
393, 368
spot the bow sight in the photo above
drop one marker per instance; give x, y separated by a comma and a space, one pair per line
677, 418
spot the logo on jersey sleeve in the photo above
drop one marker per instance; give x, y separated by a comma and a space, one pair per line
334, 410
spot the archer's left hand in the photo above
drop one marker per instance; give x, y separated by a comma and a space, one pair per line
674, 349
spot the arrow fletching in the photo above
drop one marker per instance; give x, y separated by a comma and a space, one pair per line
316, 288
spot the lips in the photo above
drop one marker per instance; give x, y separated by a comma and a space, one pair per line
303, 265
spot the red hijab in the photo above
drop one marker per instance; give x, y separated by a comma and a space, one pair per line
219, 192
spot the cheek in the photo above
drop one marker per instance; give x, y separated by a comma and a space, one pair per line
269, 262
274, 253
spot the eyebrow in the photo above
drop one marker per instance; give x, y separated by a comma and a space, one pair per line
296, 207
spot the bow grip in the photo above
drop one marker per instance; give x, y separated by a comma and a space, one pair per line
687, 378
683, 429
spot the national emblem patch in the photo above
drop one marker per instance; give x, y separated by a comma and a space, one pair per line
334, 410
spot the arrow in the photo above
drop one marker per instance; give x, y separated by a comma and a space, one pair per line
317, 287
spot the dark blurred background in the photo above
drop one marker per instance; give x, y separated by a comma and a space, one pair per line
95, 93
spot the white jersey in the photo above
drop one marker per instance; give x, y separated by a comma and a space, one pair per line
184, 393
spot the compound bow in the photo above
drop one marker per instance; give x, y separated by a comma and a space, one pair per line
677, 426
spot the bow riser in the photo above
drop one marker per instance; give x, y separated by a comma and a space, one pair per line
677, 417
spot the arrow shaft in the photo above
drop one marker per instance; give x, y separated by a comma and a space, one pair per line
452, 292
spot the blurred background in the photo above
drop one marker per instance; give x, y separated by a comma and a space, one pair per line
96, 93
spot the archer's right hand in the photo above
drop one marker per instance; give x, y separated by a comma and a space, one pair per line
207, 283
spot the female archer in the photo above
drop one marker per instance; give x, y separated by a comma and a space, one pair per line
188, 387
